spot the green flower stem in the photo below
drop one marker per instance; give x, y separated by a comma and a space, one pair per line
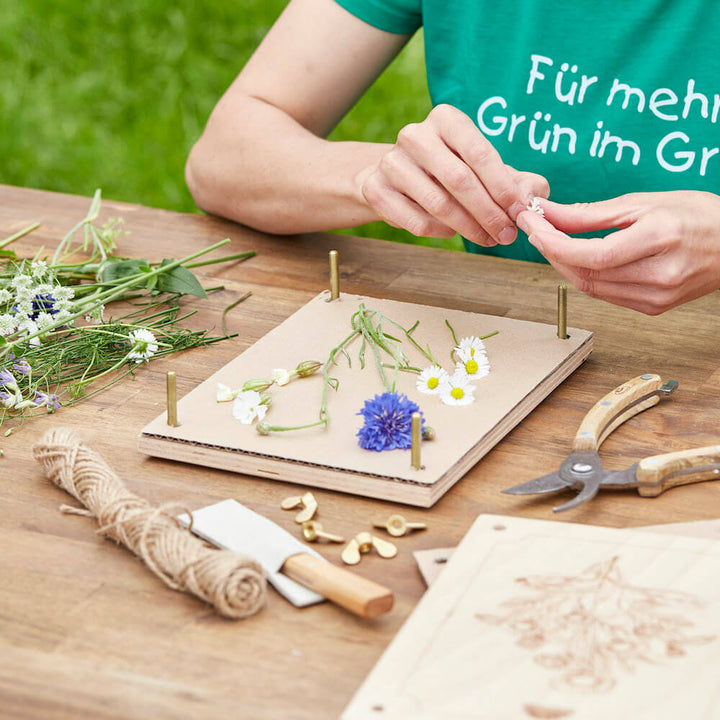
108, 296
281, 428
19, 234
227, 258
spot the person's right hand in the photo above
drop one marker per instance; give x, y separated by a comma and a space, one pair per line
444, 177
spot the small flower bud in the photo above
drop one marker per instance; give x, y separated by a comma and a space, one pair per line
265, 399
263, 428
256, 385
307, 368
428, 433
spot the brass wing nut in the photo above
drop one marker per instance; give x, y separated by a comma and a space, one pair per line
363, 543
397, 526
309, 505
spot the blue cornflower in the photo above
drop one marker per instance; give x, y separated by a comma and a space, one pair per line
388, 422
43, 303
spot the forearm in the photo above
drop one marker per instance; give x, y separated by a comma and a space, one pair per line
255, 164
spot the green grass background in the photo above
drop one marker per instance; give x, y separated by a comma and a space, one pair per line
113, 94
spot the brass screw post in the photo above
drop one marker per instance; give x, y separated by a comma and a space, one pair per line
171, 388
562, 312
334, 276
416, 440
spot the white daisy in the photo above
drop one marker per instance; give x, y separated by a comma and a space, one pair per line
457, 390
248, 405
471, 345
430, 380
224, 393
144, 345
280, 376
534, 206
474, 366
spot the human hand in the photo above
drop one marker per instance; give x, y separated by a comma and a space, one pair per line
666, 251
444, 177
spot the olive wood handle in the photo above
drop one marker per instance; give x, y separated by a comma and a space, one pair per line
599, 422
353, 592
660, 472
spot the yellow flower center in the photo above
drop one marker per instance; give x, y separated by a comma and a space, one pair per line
432, 383
457, 393
471, 367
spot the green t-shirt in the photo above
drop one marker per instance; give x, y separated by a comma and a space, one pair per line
602, 98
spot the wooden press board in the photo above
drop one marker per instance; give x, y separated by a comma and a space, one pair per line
540, 619
527, 361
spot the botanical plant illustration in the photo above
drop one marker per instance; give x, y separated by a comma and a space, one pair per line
595, 626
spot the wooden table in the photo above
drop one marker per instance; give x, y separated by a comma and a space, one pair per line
87, 632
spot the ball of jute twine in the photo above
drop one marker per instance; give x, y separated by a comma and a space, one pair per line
234, 584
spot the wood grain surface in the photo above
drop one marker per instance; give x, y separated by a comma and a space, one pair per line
87, 632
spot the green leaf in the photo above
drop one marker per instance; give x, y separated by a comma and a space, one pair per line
179, 280
122, 269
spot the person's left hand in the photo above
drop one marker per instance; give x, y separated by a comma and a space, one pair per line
666, 251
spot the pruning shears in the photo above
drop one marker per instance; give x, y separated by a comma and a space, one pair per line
582, 470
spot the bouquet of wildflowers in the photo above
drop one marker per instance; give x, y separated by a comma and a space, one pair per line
58, 340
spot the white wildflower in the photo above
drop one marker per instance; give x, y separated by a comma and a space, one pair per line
249, 405
143, 347
21, 281
280, 376
44, 321
24, 307
473, 366
224, 393
457, 390
431, 379
38, 268
5, 296
8, 325
63, 292
534, 206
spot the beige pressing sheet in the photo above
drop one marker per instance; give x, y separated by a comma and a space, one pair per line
527, 361
542, 619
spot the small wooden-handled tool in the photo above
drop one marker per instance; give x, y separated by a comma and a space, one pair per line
287, 561
353, 592
582, 469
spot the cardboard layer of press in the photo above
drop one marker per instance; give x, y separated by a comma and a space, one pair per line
527, 362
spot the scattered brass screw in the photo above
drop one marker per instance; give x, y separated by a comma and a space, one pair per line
397, 526
364, 543
312, 531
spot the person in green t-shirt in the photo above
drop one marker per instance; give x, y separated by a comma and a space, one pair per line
614, 107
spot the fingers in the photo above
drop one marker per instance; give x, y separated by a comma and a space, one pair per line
618, 212
426, 202
450, 176
615, 250
530, 185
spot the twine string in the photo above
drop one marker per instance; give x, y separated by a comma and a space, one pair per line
234, 584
